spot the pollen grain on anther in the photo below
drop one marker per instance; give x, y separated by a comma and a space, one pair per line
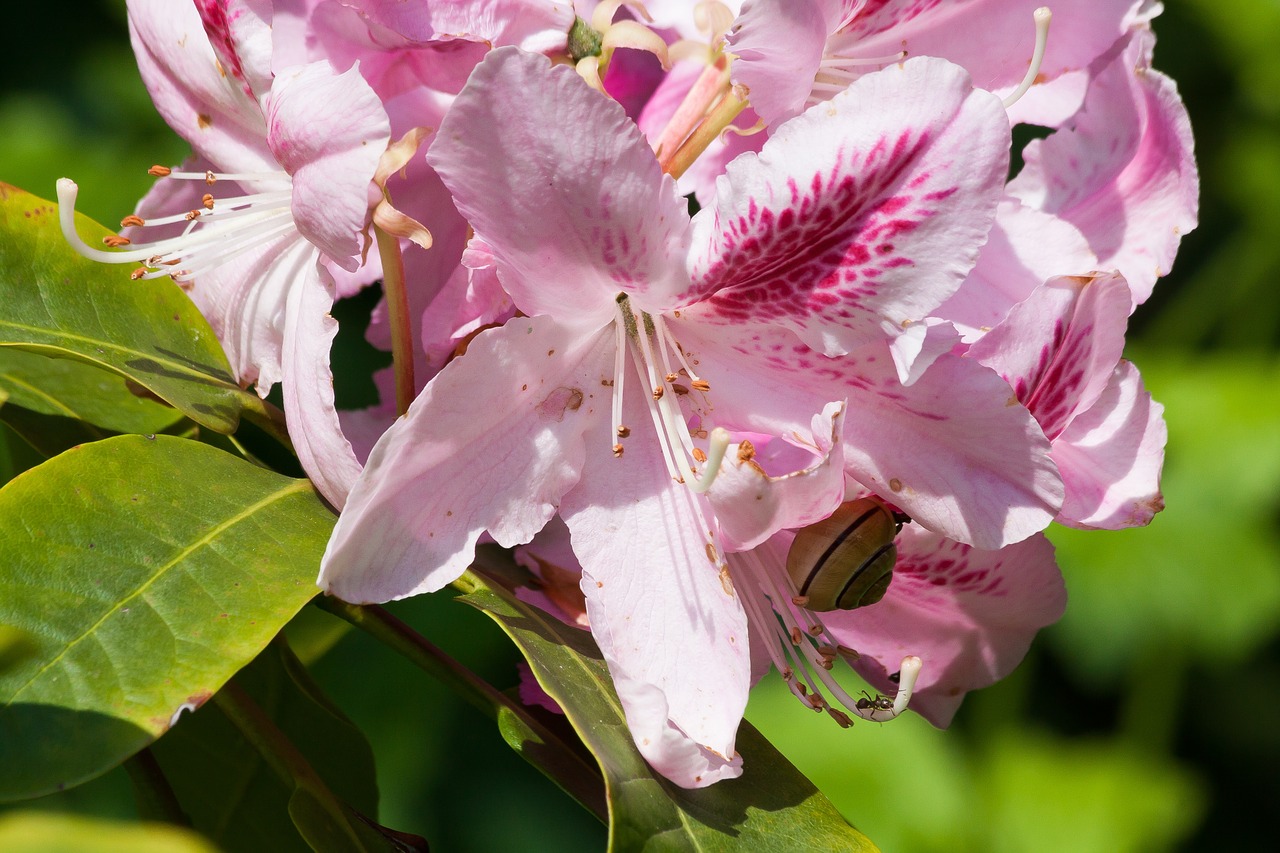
207, 201
701, 385
115, 241
132, 221
617, 449
658, 392
158, 171
699, 454
623, 430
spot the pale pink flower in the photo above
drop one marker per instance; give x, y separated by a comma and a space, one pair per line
293, 154
793, 53
1060, 351
854, 218
1123, 170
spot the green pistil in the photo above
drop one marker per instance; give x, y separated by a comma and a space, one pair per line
583, 40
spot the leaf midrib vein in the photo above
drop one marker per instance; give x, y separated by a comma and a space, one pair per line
209, 536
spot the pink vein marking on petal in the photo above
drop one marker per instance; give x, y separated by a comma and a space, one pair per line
213, 13
811, 261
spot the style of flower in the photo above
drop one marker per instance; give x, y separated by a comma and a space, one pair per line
301, 146
755, 320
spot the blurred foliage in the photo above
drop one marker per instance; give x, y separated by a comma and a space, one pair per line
1144, 721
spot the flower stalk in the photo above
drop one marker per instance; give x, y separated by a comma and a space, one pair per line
393, 286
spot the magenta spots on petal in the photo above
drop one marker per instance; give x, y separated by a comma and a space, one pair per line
217, 26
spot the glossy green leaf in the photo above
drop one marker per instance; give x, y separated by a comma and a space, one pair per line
771, 807
230, 792
55, 302
148, 571
56, 403
43, 832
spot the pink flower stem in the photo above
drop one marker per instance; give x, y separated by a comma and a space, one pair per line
398, 315
692, 110
721, 116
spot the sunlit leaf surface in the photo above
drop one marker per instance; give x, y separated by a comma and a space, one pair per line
771, 807
57, 303
147, 571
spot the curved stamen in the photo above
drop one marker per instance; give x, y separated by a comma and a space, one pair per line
1042, 17
214, 234
909, 672
717, 444
792, 639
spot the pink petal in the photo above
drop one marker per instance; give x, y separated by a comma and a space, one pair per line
1057, 349
579, 211
328, 131
240, 34
317, 435
205, 107
672, 631
970, 615
752, 502
1111, 455
246, 299
993, 40
1026, 248
537, 26
953, 450
1123, 172
779, 44
860, 215
491, 444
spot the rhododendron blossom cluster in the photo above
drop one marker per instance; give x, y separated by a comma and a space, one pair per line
877, 294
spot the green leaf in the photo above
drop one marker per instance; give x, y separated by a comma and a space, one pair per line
771, 807
55, 302
231, 793
41, 832
148, 571
56, 403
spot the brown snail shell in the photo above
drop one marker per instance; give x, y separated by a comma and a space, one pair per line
846, 560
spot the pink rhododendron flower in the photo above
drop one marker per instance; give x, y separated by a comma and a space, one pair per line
302, 147
1060, 351
854, 218
792, 53
1123, 170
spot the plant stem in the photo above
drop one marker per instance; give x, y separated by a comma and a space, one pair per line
154, 794
579, 779
393, 288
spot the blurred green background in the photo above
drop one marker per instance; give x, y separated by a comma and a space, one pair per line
1147, 720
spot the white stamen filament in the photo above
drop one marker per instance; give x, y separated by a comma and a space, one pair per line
651, 346
213, 235
793, 639
1042, 17
717, 444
